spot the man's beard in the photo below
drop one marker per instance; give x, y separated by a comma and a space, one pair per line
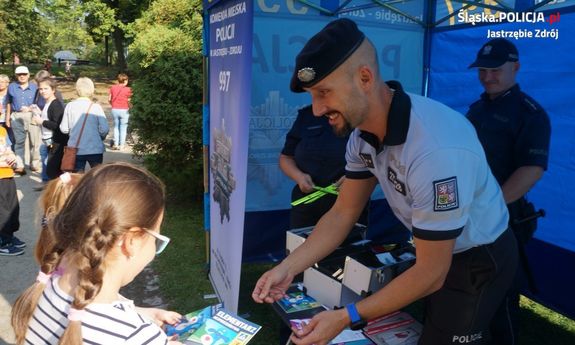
343, 131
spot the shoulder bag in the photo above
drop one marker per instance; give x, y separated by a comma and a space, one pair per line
69, 157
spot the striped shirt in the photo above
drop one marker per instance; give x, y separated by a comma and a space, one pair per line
110, 324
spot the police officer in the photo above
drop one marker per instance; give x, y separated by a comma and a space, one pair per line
313, 155
515, 132
433, 172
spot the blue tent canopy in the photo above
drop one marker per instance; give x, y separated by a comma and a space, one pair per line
426, 45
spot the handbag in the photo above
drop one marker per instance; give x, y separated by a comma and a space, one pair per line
69, 156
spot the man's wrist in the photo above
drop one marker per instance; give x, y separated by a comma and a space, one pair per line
356, 322
287, 267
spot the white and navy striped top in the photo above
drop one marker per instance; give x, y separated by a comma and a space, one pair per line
114, 323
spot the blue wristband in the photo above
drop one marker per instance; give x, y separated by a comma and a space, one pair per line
352, 312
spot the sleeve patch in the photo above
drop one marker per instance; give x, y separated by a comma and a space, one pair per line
445, 192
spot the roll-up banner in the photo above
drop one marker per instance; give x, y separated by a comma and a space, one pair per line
230, 52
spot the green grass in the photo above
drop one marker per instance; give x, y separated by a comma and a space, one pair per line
184, 282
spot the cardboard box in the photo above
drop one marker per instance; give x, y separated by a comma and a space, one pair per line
327, 290
365, 273
295, 237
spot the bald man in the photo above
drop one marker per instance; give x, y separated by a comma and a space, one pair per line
432, 169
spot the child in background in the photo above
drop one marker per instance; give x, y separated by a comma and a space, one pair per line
5, 120
9, 205
107, 232
68, 69
51, 202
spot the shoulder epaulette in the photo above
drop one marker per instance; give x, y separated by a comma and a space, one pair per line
530, 103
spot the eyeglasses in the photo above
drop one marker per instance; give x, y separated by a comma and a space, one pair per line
22, 74
161, 240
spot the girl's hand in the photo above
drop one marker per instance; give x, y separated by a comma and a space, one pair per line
160, 316
173, 340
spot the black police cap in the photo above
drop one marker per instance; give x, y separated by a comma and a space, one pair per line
495, 53
324, 52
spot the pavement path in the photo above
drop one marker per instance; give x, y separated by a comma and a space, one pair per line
19, 272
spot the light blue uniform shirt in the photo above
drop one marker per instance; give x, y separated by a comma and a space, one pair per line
433, 172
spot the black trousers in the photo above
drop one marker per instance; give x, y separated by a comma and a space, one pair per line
478, 280
54, 160
9, 208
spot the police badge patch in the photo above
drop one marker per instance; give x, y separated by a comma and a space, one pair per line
367, 160
445, 192
397, 184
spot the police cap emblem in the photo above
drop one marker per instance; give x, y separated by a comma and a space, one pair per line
306, 74
325, 52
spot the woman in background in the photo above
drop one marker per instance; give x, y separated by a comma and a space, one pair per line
91, 146
119, 98
53, 140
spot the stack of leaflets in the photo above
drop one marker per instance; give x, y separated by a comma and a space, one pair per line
398, 328
297, 305
297, 301
346, 337
213, 326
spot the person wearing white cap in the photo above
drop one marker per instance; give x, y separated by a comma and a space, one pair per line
20, 98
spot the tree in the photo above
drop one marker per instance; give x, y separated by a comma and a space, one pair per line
24, 30
67, 29
111, 17
165, 58
35, 29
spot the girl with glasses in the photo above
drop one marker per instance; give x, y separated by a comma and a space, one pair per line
106, 233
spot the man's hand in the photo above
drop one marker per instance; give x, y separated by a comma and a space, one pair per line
322, 328
305, 183
272, 285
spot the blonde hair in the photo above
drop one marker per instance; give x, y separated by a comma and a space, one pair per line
50, 203
4, 77
108, 201
85, 87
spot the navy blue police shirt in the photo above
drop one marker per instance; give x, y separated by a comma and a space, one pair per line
514, 131
316, 149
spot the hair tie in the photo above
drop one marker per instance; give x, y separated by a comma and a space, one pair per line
43, 278
76, 314
44, 222
65, 177
59, 271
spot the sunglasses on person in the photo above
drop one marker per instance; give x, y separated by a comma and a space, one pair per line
161, 240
